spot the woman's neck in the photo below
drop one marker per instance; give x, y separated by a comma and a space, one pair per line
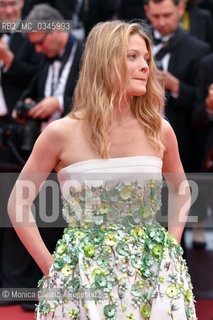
123, 113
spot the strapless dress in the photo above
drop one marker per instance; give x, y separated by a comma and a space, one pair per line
115, 261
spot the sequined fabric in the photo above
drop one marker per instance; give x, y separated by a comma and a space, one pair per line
115, 261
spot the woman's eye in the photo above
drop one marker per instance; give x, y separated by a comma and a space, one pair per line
147, 60
131, 56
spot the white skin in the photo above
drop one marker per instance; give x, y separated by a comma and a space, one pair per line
10, 11
165, 17
58, 147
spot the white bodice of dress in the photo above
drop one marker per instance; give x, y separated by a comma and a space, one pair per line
117, 190
125, 169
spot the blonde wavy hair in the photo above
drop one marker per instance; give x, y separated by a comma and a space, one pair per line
96, 94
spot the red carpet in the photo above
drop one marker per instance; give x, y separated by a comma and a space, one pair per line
204, 312
204, 309
15, 313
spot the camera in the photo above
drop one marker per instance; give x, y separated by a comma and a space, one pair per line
6, 132
22, 109
20, 137
30, 128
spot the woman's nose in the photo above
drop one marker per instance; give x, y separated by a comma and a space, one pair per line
144, 65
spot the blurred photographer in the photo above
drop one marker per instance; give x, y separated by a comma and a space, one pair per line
47, 98
18, 63
29, 129
52, 88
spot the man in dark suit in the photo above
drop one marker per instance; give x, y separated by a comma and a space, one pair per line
202, 116
53, 86
51, 89
177, 54
19, 63
18, 71
202, 119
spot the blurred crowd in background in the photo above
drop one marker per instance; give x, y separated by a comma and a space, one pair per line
38, 76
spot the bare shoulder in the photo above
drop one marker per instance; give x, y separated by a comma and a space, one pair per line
51, 144
62, 125
56, 134
60, 129
166, 126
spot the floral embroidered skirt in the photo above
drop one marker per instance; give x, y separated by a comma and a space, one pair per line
117, 273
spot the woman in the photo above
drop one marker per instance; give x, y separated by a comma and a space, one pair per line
109, 152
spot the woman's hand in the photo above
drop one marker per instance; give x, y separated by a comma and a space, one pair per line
46, 269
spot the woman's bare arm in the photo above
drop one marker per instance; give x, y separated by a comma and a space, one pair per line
44, 157
179, 191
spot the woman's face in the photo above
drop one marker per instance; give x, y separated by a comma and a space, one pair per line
137, 66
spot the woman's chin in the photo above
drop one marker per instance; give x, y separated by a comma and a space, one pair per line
140, 93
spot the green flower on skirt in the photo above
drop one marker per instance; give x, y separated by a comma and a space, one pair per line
97, 271
109, 310
145, 273
66, 270
130, 316
172, 239
96, 237
188, 295
148, 259
103, 260
72, 313
146, 311
122, 248
45, 308
136, 290
110, 239
62, 248
126, 193
89, 250
179, 250
149, 245
104, 208
100, 281
123, 307
159, 236
171, 291
58, 263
